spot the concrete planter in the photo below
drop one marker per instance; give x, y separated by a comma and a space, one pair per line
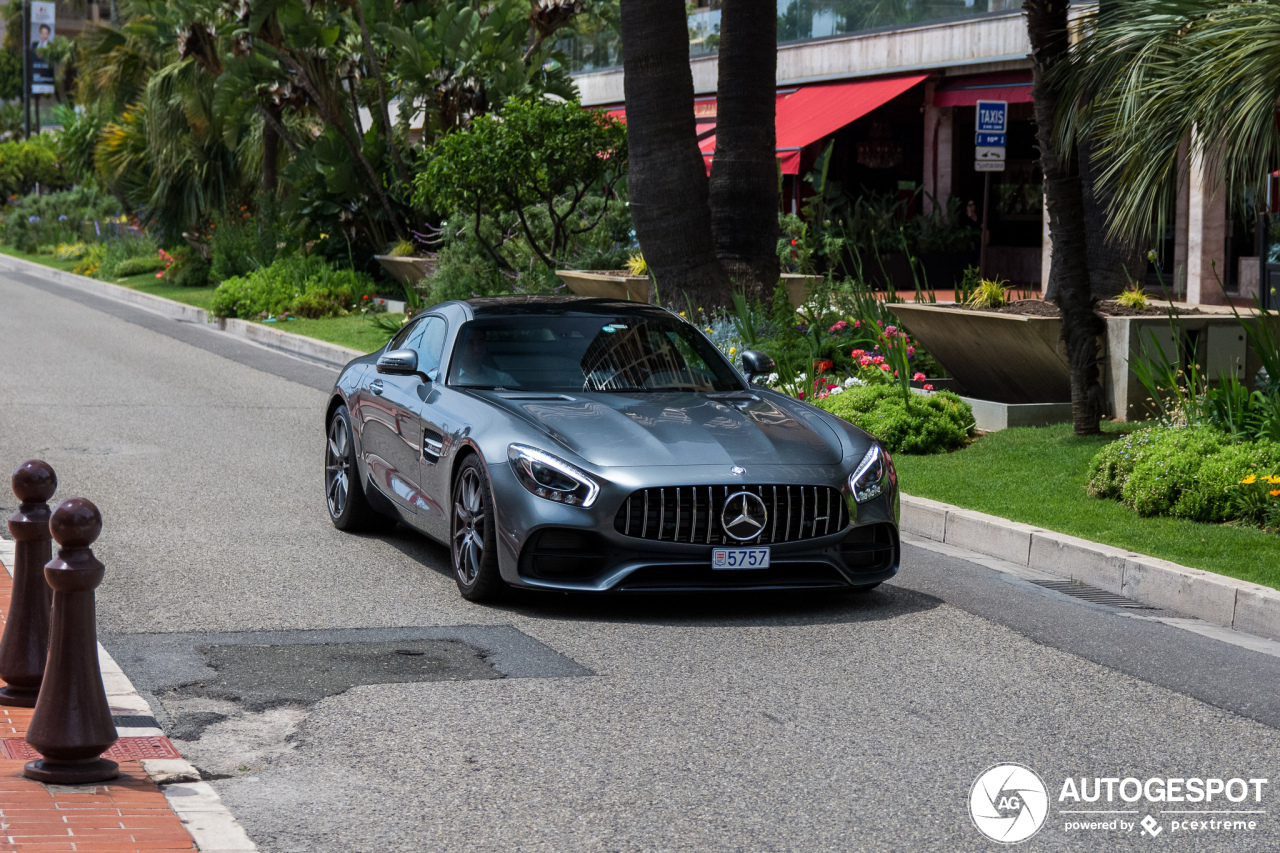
633, 288
1012, 359
798, 286
407, 270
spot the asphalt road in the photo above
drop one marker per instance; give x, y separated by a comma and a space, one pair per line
714, 723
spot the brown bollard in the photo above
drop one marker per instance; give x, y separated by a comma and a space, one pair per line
72, 726
25, 644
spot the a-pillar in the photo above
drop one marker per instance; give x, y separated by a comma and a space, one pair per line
1206, 234
937, 151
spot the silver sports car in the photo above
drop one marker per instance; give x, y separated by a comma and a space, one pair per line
602, 446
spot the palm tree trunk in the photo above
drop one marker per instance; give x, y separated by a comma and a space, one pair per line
270, 152
667, 179
744, 175
1064, 197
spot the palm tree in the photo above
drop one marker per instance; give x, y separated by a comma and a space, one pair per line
667, 179
744, 177
1064, 197
1165, 72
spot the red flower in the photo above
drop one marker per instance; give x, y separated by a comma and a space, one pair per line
858, 353
919, 376
928, 387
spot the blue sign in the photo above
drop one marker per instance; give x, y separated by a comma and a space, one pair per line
986, 139
992, 116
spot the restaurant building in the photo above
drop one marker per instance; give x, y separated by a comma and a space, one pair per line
893, 88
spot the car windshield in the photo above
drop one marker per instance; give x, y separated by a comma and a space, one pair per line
595, 352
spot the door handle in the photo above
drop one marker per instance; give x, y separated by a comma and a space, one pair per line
376, 387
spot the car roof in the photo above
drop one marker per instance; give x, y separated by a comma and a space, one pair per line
531, 305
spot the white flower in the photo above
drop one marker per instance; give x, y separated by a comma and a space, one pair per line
853, 381
771, 378
836, 390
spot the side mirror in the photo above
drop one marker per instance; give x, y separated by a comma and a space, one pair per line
398, 362
755, 363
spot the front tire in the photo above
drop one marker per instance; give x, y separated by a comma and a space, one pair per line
349, 509
473, 539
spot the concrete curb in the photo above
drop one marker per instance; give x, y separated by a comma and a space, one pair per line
299, 345
1214, 598
212, 826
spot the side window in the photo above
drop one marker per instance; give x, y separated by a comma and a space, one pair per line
430, 345
400, 341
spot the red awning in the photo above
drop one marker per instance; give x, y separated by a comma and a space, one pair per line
1014, 87
808, 114
814, 112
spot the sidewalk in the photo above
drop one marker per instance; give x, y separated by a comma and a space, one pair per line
130, 813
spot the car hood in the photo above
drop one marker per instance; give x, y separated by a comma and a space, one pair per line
679, 428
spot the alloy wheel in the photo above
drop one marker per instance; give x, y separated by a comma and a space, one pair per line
468, 526
337, 468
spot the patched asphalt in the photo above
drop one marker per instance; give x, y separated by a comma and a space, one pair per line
716, 723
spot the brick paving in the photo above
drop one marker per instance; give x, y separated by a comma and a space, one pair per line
125, 815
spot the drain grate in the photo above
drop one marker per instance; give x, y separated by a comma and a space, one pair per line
1092, 593
125, 749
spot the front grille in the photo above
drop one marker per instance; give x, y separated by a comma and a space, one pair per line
692, 514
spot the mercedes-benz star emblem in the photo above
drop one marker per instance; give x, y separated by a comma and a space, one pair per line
737, 471
744, 516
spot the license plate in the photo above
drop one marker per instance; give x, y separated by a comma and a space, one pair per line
740, 558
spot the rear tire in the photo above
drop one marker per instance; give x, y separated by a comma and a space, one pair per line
349, 509
473, 541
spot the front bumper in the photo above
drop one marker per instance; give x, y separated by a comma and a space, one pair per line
866, 551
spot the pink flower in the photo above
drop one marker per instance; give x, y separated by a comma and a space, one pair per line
928, 387
839, 324
890, 330
831, 385
884, 367
878, 359
919, 376
911, 350
857, 324
160, 274
824, 395
857, 353
865, 361
801, 395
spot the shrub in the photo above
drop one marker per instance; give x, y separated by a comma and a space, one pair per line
189, 270
1184, 472
125, 250
139, 265
241, 242
925, 424
92, 260
49, 219
295, 284
70, 251
24, 166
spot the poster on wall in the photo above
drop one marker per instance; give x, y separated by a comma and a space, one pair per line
42, 31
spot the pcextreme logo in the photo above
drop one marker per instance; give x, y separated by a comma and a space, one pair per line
1009, 803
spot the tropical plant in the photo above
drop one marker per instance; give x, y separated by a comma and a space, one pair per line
537, 158
1134, 297
989, 294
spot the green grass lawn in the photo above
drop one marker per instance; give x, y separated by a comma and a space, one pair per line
355, 331
1037, 476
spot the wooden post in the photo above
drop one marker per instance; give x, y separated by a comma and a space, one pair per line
72, 725
25, 644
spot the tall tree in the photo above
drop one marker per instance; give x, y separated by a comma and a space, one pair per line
1064, 197
744, 176
667, 180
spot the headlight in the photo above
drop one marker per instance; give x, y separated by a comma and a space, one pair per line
868, 479
549, 477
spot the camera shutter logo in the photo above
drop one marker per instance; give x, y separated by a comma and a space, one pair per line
1008, 803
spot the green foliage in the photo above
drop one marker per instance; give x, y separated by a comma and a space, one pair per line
1184, 472
931, 424
294, 284
241, 242
26, 165
78, 138
539, 155
129, 251
91, 261
10, 74
70, 251
58, 217
989, 294
138, 265
189, 270
1133, 297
